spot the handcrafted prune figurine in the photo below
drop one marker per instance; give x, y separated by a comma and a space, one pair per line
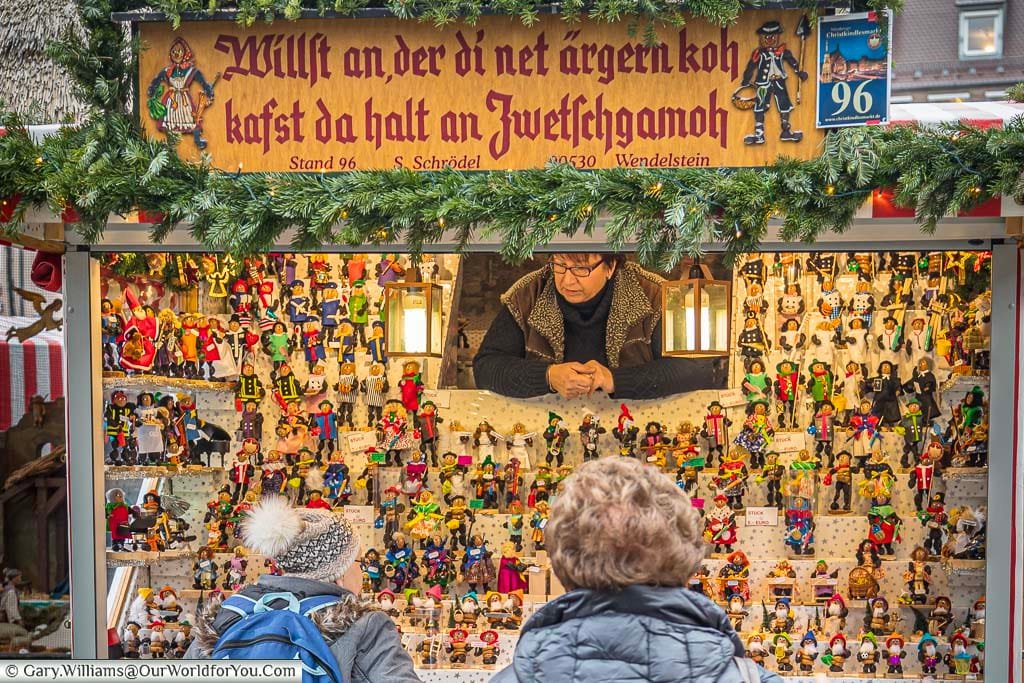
590, 432
411, 386
119, 517
837, 654
324, 425
787, 391
313, 344
556, 436
287, 389
823, 429
922, 480
862, 305
375, 390
877, 618
831, 304
429, 433
884, 528
836, 612
894, 654
863, 428
243, 471
756, 384
204, 570
914, 429
823, 335
885, 389
928, 654
392, 433
878, 478
772, 474
720, 525
857, 347
120, 419
376, 346
518, 444
359, 310
782, 650
626, 432
941, 616
347, 387
691, 462
890, 340
278, 344
538, 523
757, 433
484, 440
511, 481
756, 650
808, 652
653, 443
754, 302
736, 575
752, 340
841, 476
791, 338
732, 479
782, 619
923, 385
791, 304
849, 388
820, 382
918, 576
715, 430
867, 653
800, 526
736, 612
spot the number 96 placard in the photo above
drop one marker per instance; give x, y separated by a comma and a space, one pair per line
853, 70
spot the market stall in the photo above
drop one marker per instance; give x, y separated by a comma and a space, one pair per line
289, 333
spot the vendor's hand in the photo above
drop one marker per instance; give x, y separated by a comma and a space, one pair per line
570, 380
602, 378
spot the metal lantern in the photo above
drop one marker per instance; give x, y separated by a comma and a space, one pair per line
412, 311
696, 314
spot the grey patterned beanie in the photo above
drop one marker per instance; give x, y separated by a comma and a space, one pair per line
305, 543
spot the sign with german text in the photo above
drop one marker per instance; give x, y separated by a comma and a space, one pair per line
853, 70
345, 94
761, 517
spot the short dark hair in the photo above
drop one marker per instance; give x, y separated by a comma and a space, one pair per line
607, 259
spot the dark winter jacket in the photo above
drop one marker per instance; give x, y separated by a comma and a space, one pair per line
364, 640
642, 633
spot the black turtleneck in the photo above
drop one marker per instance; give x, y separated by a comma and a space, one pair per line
501, 364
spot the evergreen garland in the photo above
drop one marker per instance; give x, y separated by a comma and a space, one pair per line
107, 165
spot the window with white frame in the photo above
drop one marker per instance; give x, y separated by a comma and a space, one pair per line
981, 33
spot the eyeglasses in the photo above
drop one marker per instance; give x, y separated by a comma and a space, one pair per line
577, 271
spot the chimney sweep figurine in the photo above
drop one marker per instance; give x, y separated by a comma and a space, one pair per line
715, 430
766, 71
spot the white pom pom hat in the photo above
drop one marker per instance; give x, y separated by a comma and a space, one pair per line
305, 543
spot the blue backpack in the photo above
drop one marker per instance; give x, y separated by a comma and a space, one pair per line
264, 632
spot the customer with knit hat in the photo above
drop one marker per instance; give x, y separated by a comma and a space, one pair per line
316, 550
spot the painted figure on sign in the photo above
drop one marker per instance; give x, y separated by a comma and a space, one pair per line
767, 72
170, 99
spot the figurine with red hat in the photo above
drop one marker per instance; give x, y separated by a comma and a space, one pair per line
138, 338
731, 480
736, 575
489, 651
922, 479
626, 432
894, 654
787, 391
390, 509
837, 653
243, 471
836, 612
715, 430
458, 645
720, 525
386, 602
958, 659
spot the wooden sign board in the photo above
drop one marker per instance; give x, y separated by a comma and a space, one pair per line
340, 95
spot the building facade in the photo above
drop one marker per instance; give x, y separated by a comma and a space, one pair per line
957, 50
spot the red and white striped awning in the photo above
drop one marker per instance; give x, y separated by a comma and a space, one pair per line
977, 114
32, 368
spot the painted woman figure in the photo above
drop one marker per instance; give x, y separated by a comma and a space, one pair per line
170, 102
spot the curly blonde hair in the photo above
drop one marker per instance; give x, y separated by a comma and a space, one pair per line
619, 522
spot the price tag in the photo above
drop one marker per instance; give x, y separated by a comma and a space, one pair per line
476, 503
359, 514
761, 517
442, 398
732, 397
378, 457
358, 442
788, 442
466, 460
697, 503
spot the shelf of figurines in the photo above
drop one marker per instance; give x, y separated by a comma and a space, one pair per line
121, 380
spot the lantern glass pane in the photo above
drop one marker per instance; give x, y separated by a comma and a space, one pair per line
407, 320
436, 328
680, 318
715, 332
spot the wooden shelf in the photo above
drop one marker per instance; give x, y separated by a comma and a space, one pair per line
118, 380
122, 472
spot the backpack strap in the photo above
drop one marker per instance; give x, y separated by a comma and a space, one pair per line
748, 670
316, 603
242, 605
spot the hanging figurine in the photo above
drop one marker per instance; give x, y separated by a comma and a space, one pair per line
864, 432
791, 304
787, 387
590, 432
346, 341
278, 344
831, 305
754, 302
410, 387
822, 336
715, 430
376, 345
347, 388
849, 389
820, 382
757, 433
375, 390
792, 339
485, 438
286, 387
389, 269
890, 341
823, 430
626, 433
393, 436
841, 476
330, 312
359, 310
429, 433
518, 444
298, 307
923, 385
752, 340
756, 384
885, 389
